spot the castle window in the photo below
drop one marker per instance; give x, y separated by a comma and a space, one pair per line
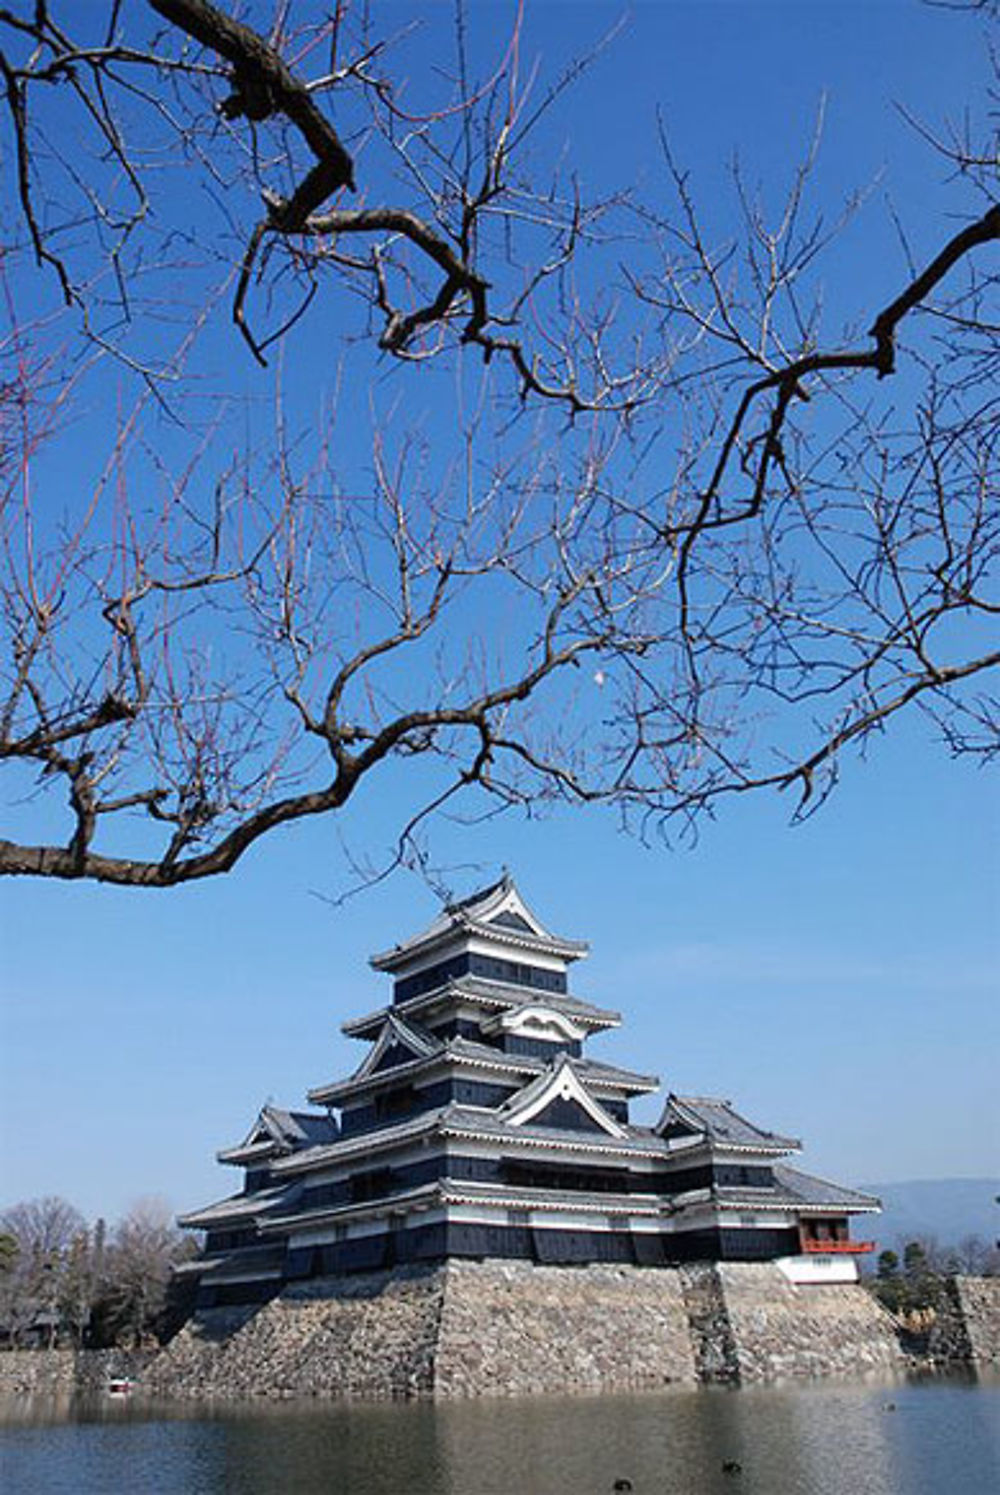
374, 1184
392, 1103
488, 967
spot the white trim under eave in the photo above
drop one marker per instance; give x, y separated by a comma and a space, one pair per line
536, 1020
538, 1142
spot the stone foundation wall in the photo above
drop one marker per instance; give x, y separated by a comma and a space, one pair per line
966, 1327
67, 1372
497, 1328
779, 1329
365, 1336
715, 1350
462, 1329
979, 1298
513, 1328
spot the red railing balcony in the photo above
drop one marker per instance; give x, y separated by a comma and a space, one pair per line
837, 1248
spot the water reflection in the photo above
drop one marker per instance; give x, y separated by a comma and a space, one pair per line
709, 1443
934, 1438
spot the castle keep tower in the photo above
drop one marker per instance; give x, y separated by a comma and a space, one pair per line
478, 1126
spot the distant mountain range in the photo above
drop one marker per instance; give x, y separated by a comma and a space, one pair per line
946, 1209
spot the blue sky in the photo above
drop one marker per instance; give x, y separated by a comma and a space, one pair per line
836, 980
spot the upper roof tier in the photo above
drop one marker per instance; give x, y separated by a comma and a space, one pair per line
497, 913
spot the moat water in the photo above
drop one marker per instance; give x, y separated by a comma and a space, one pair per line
930, 1437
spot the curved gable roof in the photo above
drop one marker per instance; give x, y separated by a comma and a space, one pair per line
276, 1132
561, 1083
714, 1120
499, 912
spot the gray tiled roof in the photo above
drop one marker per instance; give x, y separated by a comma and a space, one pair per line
596, 1069
265, 1258
593, 1069
385, 1204
474, 1121
361, 1143
502, 1196
719, 1122
496, 994
808, 1189
461, 911
283, 1131
793, 1189
429, 1051
423, 1046
309, 1128
467, 1048
263, 1261
602, 1203
489, 1124
476, 913
413, 1035
507, 994
241, 1208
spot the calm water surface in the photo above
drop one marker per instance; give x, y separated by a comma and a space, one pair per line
920, 1438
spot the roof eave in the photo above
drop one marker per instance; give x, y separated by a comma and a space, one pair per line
254, 1153
596, 1019
389, 961
426, 1193
346, 1089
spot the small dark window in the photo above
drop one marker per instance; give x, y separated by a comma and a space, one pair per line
371, 1185
396, 1102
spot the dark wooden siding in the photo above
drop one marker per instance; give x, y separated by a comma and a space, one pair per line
458, 1027
394, 1104
704, 1175
520, 1173
256, 1179
395, 1054
233, 1294
512, 972
592, 1180
743, 1175
566, 1116
540, 1048
217, 1241
436, 1242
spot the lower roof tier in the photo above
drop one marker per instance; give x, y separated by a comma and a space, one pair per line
439, 1229
498, 1128
509, 1183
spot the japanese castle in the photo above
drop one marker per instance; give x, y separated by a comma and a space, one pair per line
477, 1125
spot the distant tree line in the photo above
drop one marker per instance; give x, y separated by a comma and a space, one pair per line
64, 1282
914, 1282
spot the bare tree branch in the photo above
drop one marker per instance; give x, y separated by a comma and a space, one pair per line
671, 543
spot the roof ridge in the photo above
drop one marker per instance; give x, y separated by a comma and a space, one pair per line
702, 1100
454, 906
413, 1033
